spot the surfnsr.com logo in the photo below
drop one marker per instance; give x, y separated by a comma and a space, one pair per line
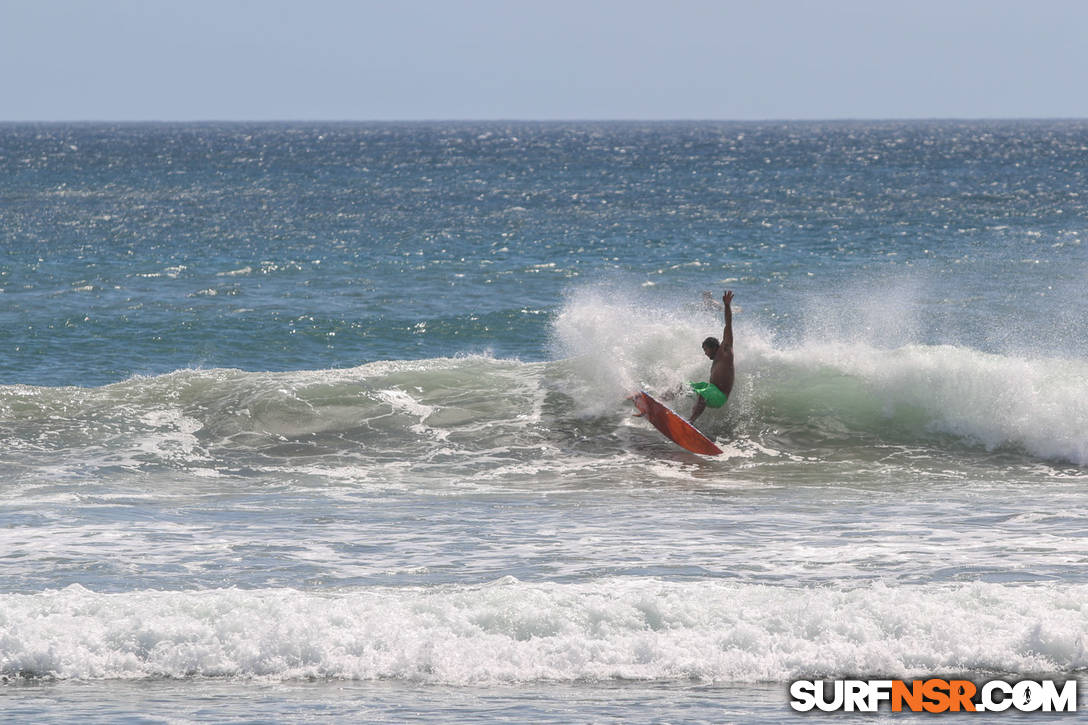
934, 695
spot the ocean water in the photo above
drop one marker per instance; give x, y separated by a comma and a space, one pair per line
328, 420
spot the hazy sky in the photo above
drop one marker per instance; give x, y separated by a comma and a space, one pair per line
546, 59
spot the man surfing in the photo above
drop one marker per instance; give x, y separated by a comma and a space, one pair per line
716, 392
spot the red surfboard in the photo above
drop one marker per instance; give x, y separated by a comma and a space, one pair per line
675, 428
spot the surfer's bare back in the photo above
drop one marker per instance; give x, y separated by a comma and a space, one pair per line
717, 391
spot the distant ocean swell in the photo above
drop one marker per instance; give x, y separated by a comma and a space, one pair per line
514, 632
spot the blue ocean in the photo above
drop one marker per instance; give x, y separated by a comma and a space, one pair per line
329, 421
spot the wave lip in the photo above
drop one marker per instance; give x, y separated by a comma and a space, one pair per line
510, 632
1039, 405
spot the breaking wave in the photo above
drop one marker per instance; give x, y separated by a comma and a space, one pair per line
474, 411
514, 632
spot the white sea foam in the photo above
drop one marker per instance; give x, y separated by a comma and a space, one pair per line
617, 342
616, 629
401, 401
172, 436
1039, 404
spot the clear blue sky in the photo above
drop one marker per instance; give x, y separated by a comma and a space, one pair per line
541, 59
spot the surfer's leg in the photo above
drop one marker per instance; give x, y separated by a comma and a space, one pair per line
700, 406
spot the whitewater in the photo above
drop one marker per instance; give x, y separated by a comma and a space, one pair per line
331, 421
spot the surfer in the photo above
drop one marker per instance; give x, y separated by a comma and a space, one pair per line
716, 392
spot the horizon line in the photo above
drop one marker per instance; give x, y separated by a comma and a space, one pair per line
842, 119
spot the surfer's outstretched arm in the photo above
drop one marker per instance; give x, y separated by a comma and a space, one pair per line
727, 334
700, 406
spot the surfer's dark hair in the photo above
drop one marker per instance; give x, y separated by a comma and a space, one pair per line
710, 342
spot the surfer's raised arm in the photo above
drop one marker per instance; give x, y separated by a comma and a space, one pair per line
715, 392
727, 334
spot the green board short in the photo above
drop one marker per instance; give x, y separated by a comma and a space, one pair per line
711, 393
